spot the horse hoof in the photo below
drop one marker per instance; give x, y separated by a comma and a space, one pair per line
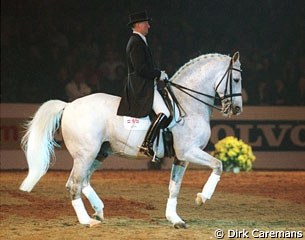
198, 199
93, 222
98, 216
180, 225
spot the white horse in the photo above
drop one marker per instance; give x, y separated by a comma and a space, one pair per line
91, 130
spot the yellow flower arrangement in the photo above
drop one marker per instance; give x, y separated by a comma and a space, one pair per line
234, 153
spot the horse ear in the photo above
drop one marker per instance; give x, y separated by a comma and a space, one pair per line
235, 57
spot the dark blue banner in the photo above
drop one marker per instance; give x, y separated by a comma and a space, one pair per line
271, 135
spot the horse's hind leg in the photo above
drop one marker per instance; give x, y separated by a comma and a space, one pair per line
96, 203
74, 185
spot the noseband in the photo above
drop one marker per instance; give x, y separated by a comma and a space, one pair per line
229, 82
229, 79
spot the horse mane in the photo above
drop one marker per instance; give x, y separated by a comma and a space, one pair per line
206, 58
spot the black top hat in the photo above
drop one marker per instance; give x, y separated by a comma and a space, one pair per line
138, 17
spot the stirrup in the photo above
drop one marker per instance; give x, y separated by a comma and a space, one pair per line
146, 151
155, 159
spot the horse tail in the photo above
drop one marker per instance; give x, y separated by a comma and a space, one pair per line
38, 142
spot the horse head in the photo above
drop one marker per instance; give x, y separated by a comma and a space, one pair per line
229, 88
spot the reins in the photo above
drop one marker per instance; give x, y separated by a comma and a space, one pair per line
229, 83
185, 90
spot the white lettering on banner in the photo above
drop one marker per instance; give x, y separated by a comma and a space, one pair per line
295, 135
244, 133
263, 136
229, 131
272, 140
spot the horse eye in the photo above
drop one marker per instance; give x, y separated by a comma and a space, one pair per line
236, 80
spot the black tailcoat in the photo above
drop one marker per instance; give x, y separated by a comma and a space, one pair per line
138, 94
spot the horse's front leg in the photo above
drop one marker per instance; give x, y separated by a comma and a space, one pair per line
177, 173
198, 156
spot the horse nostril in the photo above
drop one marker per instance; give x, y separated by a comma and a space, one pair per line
237, 109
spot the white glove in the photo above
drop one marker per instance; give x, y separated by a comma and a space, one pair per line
163, 76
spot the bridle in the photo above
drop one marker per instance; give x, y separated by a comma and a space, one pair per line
229, 82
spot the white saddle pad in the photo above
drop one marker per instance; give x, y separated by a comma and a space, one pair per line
131, 123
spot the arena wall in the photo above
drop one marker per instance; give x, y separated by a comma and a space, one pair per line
276, 134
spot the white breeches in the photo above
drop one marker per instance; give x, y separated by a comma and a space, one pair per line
159, 105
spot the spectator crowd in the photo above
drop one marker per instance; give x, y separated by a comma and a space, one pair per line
64, 50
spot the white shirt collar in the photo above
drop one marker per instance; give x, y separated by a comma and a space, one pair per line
142, 36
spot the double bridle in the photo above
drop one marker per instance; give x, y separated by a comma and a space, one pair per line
229, 79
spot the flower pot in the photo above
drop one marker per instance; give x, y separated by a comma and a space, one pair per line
236, 169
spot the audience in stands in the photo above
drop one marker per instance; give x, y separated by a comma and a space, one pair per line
41, 49
77, 87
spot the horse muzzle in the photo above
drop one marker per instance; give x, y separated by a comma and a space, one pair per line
236, 110
229, 109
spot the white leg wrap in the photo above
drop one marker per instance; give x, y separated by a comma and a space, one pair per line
210, 186
174, 188
81, 212
96, 203
171, 214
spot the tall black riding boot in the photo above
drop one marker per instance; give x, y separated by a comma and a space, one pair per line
152, 133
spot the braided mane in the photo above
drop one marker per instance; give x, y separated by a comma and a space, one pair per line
205, 57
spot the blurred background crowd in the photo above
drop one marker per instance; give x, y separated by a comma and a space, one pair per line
65, 49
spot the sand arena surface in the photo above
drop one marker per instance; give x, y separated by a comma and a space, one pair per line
135, 205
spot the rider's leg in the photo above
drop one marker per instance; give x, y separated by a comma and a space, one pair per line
162, 115
159, 105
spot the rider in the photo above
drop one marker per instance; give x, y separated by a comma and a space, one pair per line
140, 94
